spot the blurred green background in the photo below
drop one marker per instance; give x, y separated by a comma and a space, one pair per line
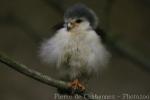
25, 23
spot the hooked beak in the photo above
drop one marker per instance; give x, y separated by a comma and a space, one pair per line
70, 26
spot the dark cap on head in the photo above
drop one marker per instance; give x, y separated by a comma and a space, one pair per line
81, 11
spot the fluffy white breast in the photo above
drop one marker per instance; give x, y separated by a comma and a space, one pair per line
84, 51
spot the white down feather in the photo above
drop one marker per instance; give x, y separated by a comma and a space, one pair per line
85, 50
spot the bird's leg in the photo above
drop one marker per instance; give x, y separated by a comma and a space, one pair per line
76, 85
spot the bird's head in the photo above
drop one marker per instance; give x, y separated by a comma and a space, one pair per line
80, 18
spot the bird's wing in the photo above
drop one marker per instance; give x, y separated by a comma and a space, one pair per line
53, 29
101, 33
57, 26
98, 30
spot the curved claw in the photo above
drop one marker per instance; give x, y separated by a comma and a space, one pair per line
76, 85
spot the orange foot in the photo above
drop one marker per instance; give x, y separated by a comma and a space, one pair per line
76, 85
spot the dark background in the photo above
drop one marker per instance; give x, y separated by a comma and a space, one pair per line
24, 23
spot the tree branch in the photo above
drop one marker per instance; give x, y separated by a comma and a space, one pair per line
39, 76
130, 54
32, 73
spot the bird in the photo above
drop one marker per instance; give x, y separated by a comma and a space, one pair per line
77, 47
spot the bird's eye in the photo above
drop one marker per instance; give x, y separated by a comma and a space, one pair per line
78, 20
